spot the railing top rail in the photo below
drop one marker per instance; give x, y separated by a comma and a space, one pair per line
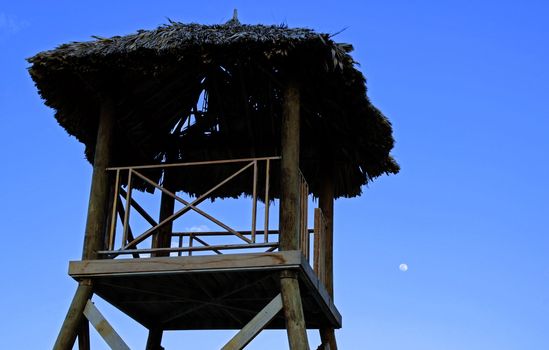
172, 165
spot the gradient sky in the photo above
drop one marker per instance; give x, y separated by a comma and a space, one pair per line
466, 86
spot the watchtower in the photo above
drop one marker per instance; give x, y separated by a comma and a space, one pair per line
191, 113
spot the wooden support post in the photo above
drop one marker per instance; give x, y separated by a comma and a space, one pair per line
293, 311
252, 328
84, 335
326, 204
73, 320
289, 170
96, 223
154, 340
289, 216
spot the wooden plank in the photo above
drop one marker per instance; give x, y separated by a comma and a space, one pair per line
182, 264
323, 298
211, 162
140, 209
222, 233
256, 325
104, 328
326, 204
189, 249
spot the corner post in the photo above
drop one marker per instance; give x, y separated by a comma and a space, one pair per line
326, 204
289, 216
96, 224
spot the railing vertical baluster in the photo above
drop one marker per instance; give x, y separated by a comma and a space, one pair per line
180, 245
112, 231
254, 204
266, 221
128, 207
190, 243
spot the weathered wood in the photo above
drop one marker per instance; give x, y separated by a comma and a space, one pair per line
164, 251
96, 222
140, 209
71, 324
222, 233
100, 186
293, 311
326, 204
289, 169
322, 297
210, 162
256, 325
188, 206
169, 295
126, 221
266, 231
104, 328
236, 262
254, 201
154, 340
163, 236
112, 231
84, 335
328, 339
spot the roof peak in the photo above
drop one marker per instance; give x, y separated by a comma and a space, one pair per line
234, 21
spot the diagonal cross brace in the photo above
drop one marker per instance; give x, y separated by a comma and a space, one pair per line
188, 206
104, 328
256, 325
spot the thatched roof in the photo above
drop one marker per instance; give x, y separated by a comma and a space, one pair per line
188, 92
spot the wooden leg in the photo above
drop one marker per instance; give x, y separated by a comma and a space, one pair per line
293, 311
71, 325
84, 335
327, 335
155, 339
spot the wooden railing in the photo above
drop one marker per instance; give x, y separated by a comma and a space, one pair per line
124, 204
129, 242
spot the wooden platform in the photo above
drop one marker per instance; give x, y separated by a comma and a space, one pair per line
205, 292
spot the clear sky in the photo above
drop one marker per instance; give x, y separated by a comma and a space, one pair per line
466, 86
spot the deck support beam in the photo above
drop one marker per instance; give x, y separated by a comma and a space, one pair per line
96, 222
326, 204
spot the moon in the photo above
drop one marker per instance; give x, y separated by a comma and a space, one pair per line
403, 267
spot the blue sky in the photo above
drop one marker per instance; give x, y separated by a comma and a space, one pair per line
465, 85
